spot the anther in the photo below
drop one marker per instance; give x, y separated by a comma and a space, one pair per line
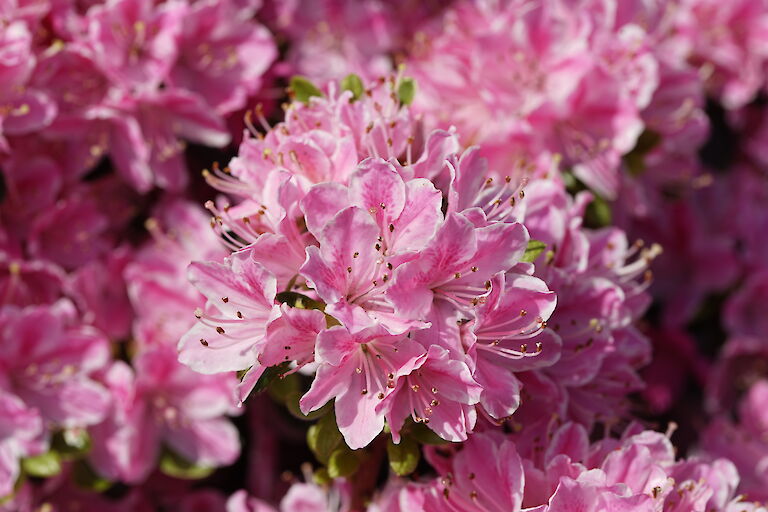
220, 330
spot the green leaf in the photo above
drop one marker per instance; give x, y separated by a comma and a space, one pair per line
353, 83
292, 404
281, 389
324, 437
343, 463
174, 465
85, 477
532, 251
425, 435
42, 466
300, 301
406, 91
321, 477
403, 457
598, 214
635, 159
303, 89
269, 375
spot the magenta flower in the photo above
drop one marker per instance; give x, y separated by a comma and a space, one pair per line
21, 430
147, 134
359, 370
163, 402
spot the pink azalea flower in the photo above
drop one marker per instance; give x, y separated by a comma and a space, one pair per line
25, 283
232, 327
180, 234
440, 392
359, 370
163, 402
21, 430
135, 41
147, 132
222, 54
508, 336
100, 292
456, 265
72, 233
48, 361
362, 246
727, 41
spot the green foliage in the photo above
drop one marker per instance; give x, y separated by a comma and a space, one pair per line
176, 466
302, 88
324, 438
353, 83
406, 90
86, 478
42, 466
403, 457
343, 462
533, 250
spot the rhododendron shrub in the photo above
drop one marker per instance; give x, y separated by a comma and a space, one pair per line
472, 255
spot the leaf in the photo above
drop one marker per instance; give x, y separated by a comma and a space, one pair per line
300, 301
406, 91
85, 477
343, 463
174, 465
598, 214
532, 251
354, 84
292, 404
324, 437
403, 457
269, 375
425, 435
303, 89
281, 389
321, 477
42, 466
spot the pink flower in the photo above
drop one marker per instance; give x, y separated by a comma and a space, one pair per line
508, 336
25, 283
71, 233
362, 246
440, 392
163, 402
456, 265
135, 41
232, 327
728, 42
148, 132
180, 234
359, 370
48, 361
99, 290
222, 54
21, 428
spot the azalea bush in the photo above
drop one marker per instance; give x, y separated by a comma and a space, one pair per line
367, 255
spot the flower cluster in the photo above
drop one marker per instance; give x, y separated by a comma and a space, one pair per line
467, 255
130, 79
